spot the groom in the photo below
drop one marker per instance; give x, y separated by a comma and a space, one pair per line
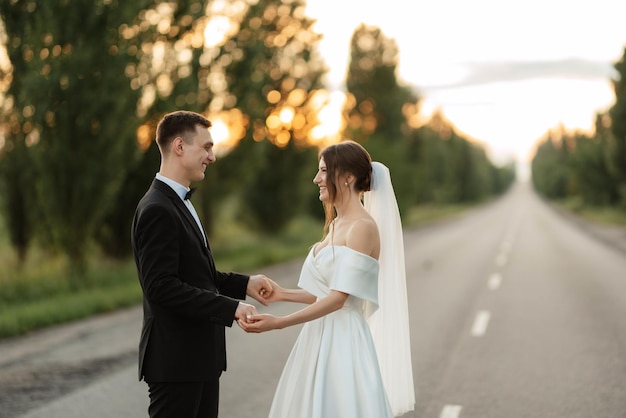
187, 302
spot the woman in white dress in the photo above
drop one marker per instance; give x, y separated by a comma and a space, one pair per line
334, 370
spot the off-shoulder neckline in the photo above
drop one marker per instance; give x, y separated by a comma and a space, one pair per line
314, 248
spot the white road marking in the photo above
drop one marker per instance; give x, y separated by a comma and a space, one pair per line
494, 281
451, 411
480, 323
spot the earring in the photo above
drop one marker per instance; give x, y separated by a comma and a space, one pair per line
346, 183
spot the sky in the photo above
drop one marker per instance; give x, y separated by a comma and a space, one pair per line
503, 72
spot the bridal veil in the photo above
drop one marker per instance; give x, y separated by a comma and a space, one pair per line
390, 323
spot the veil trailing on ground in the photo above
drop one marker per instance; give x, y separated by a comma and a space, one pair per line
390, 323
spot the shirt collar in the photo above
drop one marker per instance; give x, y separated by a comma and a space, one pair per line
180, 190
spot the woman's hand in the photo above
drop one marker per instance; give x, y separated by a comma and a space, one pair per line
260, 288
277, 294
260, 323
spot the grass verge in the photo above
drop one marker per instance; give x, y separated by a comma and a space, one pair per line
41, 295
608, 215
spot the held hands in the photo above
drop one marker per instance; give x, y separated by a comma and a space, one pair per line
244, 312
260, 288
263, 289
260, 322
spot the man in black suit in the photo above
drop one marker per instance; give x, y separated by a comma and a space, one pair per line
187, 302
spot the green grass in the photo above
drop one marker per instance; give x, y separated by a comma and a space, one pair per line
40, 294
608, 215
236, 248
429, 213
17, 319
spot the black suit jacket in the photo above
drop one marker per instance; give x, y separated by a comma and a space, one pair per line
186, 301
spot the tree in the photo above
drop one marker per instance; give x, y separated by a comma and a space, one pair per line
271, 73
16, 183
618, 127
594, 182
376, 109
452, 168
189, 89
84, 77
549, 167
372, 81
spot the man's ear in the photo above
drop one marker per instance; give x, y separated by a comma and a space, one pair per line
178, 145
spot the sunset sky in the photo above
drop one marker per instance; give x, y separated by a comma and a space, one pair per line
504, 72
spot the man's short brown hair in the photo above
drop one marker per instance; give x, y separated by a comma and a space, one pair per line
177, 124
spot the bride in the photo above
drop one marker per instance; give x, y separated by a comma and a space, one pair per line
352, 357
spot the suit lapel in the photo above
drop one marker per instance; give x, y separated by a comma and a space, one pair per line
182, 208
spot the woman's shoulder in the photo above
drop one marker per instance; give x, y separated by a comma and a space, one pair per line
363, 225
362, 236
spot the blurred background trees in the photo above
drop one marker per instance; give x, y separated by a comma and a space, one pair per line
82, 83
85, 83
379, 98
272, 74
588, 168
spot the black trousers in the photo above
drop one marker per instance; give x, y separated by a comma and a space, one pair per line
184, 399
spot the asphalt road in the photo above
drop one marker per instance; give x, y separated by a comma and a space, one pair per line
516, 311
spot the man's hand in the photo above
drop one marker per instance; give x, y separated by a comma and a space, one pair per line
260, 288
260, 323
244, 312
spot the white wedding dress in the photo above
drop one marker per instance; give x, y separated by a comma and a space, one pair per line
333, 371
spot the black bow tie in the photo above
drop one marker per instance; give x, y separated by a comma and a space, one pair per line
189, 193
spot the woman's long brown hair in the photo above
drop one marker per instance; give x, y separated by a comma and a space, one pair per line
341, 159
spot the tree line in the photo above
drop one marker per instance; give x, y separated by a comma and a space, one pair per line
86, 83
587, 167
